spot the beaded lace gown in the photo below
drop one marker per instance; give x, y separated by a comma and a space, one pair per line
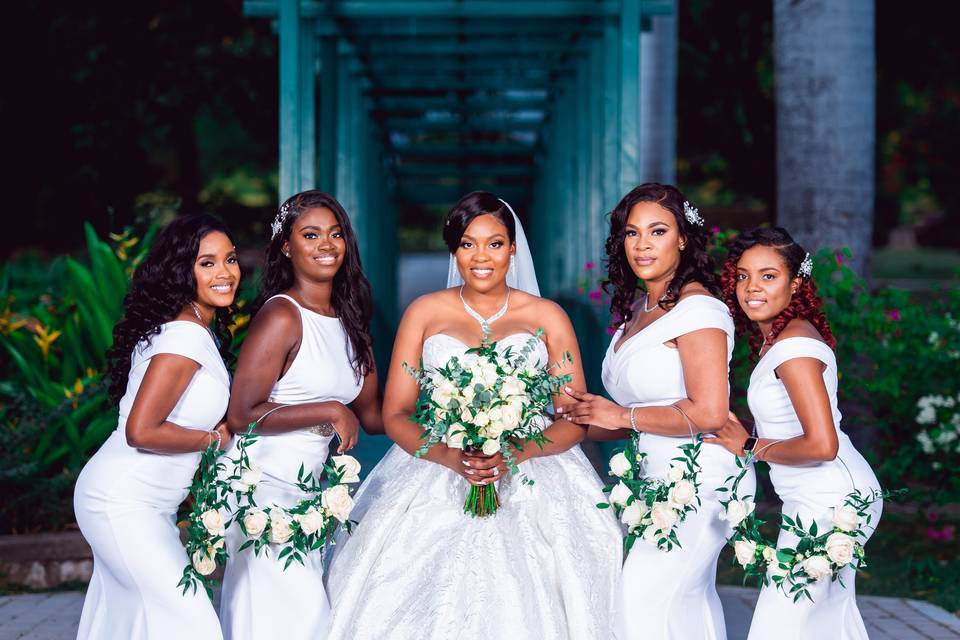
545, 566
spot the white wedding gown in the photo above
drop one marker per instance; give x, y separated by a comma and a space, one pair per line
810, 491
545, 566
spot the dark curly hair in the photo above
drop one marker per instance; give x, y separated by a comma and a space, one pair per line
805, 303
161, 286
473, 205
696, 265
352, 297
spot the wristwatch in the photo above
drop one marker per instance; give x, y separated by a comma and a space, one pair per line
749, 444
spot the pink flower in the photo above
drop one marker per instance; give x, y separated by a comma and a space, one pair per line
611, 331
946, 533
714, 229
893, 314
589, 266
839, 256
596, 295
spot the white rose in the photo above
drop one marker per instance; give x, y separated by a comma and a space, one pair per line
489, 373
350, 467
840, 548
769, 554
619, 465
737, 510
203, 562
745, 551
280, 530
510, 416
664, 516
212, 522
455, 436
311, 521
619, 494
633, 515
493, 429
481, 419
846, 518
490, 447
466, 416
255, 522
817, 567
681, 493
469, 392
675, 473
338, 502
512, 387
650, 534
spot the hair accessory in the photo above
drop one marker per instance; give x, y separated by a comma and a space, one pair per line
692, 214
277, 223
806, 267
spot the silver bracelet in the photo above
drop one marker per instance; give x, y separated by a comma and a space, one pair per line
326, 429
633, 420
219, 438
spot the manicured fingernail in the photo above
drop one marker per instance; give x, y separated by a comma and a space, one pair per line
567, 389
466, 463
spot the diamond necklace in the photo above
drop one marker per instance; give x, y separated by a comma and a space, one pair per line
485, 322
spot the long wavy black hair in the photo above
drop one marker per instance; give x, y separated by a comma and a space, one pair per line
696, 265
352, 297
161, 286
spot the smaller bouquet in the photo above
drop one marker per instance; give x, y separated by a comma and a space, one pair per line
653, 508
307, 526
752, 550
486, 401
204, 523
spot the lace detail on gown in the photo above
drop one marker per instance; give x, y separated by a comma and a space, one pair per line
545, 566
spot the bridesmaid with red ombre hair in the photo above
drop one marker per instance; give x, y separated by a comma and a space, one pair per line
792, 395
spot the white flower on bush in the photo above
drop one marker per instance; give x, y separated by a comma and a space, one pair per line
311, 521
203, 561
769, 554
681, 494
337, 501
619, 465
664, 516
212, 522
350, 467
817, 567
490, 447
633, 515
675, 473
280, 529
255, 521
926, 442
840, 548
745, 550
737, 510
846, 518
620, 494
455, 436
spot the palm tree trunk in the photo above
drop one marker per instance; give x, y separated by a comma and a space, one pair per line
824, 52
658, 99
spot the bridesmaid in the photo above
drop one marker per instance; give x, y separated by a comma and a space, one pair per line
793, 399
309, 351
666, 369
172, 388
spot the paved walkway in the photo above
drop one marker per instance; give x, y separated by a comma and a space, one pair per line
54, 616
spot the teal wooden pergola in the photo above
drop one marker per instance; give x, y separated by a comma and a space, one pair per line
399, 104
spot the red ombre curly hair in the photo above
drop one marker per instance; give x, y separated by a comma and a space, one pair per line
805, 303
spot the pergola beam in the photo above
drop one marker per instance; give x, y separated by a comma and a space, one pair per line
539, 9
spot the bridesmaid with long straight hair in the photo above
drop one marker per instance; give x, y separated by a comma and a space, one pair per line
308, 354
792, 395
667, 372
172, 387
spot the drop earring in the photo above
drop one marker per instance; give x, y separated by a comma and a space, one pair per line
513, 266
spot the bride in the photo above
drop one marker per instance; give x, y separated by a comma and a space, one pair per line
546, 564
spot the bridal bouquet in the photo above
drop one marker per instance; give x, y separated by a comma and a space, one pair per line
751, 549
486, 401
204, 524
653, 508
307, 526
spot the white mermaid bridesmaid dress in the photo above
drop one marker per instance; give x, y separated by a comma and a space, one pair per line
260, 599
544, 567
810, 490
672, 595
126, 502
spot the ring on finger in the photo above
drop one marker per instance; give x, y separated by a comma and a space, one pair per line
496, 471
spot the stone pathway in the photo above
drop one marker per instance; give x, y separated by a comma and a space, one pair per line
54, 616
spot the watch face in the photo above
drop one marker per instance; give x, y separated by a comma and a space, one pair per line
749, 444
